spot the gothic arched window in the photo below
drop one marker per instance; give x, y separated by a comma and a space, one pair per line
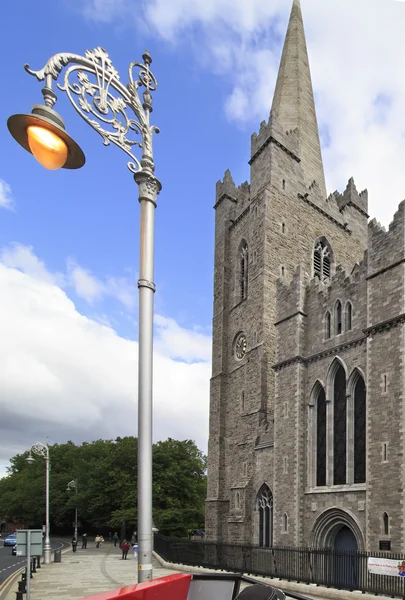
360, 431
243, 271
327, 326
349, 316
322, 261
386, 524
265, 508
339, 426
321, 438
338, 318
285, 523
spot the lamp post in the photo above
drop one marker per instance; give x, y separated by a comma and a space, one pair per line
42, 450
72, 485
94, 88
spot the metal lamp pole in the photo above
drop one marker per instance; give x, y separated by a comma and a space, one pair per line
42, 450
72, 485
93, 87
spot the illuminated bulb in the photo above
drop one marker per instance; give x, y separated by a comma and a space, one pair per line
47, 147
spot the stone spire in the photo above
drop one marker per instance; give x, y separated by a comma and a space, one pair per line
293, 103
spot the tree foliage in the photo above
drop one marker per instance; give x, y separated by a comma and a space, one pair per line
106, 472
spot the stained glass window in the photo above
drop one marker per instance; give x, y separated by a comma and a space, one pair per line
265, 507
321, 438
360, 432
339, 427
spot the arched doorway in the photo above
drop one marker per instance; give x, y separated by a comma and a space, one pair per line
345, 559
340, 532
345, 540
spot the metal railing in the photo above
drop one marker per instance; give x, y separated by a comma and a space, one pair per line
325, 567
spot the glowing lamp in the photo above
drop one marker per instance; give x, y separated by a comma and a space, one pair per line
48, 148
43, 134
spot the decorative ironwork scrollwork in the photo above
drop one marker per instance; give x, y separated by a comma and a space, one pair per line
94, 89
40, 449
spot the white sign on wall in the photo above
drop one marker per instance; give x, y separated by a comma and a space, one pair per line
386, 566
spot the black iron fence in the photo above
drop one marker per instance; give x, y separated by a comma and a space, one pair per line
341, 570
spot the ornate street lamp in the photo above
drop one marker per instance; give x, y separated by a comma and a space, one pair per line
42, 450
72, 485
94, 89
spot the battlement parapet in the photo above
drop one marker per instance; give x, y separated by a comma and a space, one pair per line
291, 296
273, 132
227, 189
386, 247
341, 279
352, 198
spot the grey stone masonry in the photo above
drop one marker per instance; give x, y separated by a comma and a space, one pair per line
307, 417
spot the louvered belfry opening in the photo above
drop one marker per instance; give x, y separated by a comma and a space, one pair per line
322, 262
243, 282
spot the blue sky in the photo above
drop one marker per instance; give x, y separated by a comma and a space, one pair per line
69, 239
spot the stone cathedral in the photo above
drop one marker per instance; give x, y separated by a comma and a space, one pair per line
307, 402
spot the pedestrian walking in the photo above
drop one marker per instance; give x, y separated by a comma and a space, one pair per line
74, 544
84, 540
101, 541
115, 538
97, 540
125, 546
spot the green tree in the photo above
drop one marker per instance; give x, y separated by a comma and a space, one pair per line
179, 486
106, 474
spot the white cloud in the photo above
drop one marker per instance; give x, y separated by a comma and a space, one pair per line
356, 55
65, 376
85, 284
123, 289
176, 342
6, 196
23, 258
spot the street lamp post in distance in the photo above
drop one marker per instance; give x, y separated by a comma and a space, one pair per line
102, 100
72, 485
41, 449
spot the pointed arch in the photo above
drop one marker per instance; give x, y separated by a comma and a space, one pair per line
242, 271
284, 524
348, 316
328, 524
339, 403
264, 505
318, 385
322, 260
359, 426
317, 436
338, 317
385, 524
330, 376
327, 324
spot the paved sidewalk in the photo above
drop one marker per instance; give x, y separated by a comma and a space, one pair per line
86, 572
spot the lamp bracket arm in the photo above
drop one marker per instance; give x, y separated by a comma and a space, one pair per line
95, 90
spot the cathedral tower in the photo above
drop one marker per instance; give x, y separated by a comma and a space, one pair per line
264, 231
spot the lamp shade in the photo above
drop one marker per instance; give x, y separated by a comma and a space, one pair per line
43, 134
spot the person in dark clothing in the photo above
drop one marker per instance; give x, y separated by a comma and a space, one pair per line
74, 544
115, 538
125, 546
84, 540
